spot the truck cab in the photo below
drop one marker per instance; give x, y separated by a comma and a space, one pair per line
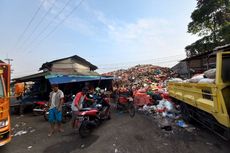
5, 130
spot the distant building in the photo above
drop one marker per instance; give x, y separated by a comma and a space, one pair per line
181, 69
200, 63
195, 64
71, 73
70, 65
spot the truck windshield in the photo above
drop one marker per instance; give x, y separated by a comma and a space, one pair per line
1, 88
226, 68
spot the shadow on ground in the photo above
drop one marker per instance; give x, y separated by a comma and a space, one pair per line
68, 146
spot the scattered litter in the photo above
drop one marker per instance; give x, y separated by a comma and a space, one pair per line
165, 144
116, 150
19, 133
208, 143
182, 124
29, 147
114, 145
31, 131
82, 146
190, 129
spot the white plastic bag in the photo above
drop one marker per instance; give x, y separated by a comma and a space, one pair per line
211, 74
207, 80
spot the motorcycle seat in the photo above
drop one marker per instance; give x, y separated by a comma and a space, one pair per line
85, 109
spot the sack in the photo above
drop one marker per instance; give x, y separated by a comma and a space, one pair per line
175, 80
207, 80
196, 78
211, 74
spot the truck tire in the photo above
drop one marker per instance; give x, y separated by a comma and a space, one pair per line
185, 112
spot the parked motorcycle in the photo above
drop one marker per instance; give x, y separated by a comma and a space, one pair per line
39, 107
89, 118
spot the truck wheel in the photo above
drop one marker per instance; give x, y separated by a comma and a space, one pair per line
185, 112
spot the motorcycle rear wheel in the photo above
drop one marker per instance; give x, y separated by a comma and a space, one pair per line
84, 130
131, 110
65, 116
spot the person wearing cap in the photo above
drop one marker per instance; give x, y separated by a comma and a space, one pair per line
56, 100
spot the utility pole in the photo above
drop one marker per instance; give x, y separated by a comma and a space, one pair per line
9, 60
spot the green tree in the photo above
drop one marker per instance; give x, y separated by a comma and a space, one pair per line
211, 21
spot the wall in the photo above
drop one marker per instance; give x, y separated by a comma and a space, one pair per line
69, 65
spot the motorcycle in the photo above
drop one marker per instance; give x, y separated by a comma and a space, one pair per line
125, 103
89, 118
39, 107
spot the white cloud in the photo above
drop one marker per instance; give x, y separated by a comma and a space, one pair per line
143, 38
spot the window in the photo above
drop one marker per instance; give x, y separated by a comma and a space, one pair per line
1, 88
226, 68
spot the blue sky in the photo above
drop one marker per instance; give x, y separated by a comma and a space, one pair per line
111, 34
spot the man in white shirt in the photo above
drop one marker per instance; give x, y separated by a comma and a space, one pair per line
55, 108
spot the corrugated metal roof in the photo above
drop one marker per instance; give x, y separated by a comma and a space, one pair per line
78, 59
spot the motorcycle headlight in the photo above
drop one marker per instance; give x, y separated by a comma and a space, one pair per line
3, 123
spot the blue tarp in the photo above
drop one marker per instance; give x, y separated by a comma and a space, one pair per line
60, 79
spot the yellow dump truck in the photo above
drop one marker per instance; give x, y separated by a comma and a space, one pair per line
208, 103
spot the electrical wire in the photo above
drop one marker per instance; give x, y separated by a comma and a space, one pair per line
47, 26
148, 60
61, 22
40, 22
29, 24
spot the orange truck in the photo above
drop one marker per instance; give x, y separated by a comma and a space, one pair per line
5, 130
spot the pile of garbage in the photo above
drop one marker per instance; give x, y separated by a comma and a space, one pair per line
167, 114
140, 75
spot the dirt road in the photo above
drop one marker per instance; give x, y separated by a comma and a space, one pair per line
121, 134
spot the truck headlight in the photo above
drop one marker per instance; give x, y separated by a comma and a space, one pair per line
3, 123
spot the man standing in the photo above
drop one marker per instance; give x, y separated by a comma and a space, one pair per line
56, 99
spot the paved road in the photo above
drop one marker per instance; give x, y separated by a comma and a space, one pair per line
121, 134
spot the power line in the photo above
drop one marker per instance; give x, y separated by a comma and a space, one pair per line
62, 21
29, 23
40, 22
122, 66
153, 59
48, 25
